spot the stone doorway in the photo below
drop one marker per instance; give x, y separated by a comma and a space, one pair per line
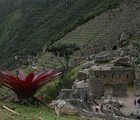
108, 90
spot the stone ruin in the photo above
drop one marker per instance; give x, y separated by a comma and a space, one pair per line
120, 89
82, 75
67, 94
137, 87
96, 86
137, 82
90, 86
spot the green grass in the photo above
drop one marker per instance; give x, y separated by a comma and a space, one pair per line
29, 113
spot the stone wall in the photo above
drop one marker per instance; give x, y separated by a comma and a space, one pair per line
120, 89
96, 86
116, 75
137, 82
82, 75
67, 94
137, 87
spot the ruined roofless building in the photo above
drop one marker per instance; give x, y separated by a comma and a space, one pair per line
117, 78
114, 76
96, 86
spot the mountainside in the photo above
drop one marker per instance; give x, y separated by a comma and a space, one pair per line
27, 25
106, 31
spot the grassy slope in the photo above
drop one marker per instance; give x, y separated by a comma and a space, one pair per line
30, 113
26, 25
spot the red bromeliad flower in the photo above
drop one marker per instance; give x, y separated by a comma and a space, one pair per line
26, 86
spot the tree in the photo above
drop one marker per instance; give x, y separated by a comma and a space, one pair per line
63, 53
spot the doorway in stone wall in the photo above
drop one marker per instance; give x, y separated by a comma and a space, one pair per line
108, 90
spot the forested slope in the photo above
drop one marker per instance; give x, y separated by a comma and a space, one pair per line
27, 25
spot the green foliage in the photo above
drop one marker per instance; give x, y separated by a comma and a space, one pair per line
27, 25
26, 86
55, 86
63, 50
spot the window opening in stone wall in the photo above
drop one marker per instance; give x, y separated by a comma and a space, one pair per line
97, 76
112, 76
119, 75
127, 75
104, 75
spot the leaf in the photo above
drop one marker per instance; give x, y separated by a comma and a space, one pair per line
21, 74
25, 87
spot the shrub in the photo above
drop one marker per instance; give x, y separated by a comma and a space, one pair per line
26, 86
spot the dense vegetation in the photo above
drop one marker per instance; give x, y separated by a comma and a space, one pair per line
27, 25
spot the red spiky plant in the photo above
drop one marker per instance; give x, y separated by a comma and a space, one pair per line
24, 86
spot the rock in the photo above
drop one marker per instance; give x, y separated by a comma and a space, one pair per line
123, 61
122, 52
103, 57
62, 107
81, 84
135, 115
78, 103
110, 109
132, 50
82, 75
114, 102
123, 39
67, 94
86, 66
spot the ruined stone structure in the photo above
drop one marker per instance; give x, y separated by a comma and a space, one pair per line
137, 87
67, 94
96, 86
114, 76
120, 89
137, 82
82, 75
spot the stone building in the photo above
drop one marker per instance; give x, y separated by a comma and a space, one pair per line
117, 79
113, 76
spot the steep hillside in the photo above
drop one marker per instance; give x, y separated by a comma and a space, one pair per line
26, 25
104, 31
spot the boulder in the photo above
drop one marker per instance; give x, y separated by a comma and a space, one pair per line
86, 66
81, 84
110, 109
78, 103
123, 61
114, 102
133, 50
62, 107
123, 39
82, 75
103, 57
135, 115
67, 94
